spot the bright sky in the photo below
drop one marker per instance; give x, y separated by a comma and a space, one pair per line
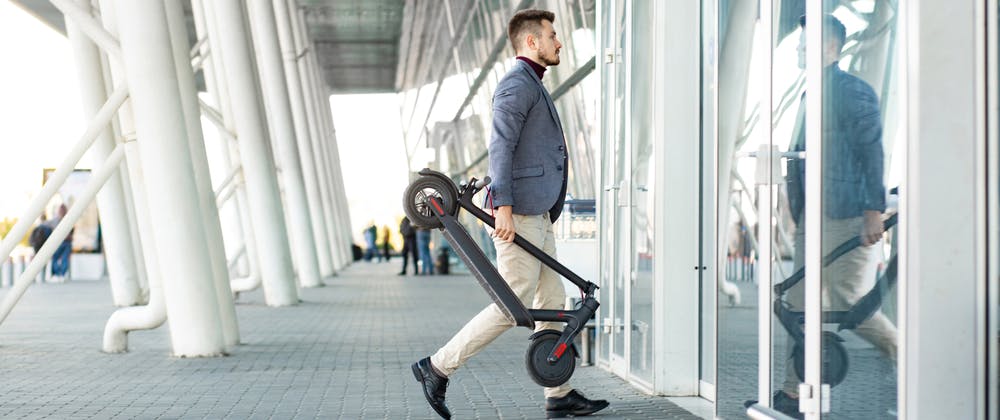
370, 140
41, 119
40, 111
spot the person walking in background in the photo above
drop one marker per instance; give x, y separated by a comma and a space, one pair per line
409, 245
386, 246
60, 260
853, 200
527, 161
424, 249
371, 251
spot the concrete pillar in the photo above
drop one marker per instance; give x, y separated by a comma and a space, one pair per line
213, 69
263, 197
182, 246
309, 171
118, 248
202, 177
300, 39
272, 80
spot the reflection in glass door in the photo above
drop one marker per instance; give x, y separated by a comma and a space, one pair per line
615, 231
622, 233
642, 190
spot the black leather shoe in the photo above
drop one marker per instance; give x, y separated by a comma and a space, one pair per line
785, 404
434, 386
573, 404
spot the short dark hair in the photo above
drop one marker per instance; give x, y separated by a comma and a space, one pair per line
832, 27
527, 20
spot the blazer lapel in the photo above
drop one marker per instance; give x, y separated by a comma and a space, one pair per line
548, 99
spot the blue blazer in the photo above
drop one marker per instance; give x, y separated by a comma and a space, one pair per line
528, 160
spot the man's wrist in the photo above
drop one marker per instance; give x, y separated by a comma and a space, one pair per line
504, 210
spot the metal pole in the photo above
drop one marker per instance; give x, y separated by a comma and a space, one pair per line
204, 15
297, 103
326, 200
321, 100
202, 176
272, 80
810, 391
262, 188
192, 305
332, 165
89, 26
60, 233
58, 177
118, 255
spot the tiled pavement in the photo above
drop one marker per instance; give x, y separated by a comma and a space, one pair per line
344, 352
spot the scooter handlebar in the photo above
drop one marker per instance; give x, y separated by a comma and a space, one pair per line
482, 182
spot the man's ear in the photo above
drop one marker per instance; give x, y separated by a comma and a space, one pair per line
530, 41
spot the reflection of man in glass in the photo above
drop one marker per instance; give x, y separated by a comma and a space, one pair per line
853, 198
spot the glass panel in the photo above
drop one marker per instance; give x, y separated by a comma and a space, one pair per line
739, 94
707, 221
607, 201
622, 273
642, 176
859, 134
993, 194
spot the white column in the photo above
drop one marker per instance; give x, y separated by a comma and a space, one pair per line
308, 90
676, 69
154, 314
202, 176
118, 248
258, 166
336, 175
272, 80
302, 137
321, 98
942, 212
204, 19
195, 325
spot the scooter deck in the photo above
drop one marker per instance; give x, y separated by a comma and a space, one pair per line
485, 272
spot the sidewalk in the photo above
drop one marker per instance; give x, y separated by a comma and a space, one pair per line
344, 352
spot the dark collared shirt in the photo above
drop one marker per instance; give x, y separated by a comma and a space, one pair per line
539, 69
852, 150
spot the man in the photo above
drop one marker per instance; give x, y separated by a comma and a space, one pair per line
527, 155
853, 198
409, 245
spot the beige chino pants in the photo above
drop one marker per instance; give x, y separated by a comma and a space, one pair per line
845, 281
538, 287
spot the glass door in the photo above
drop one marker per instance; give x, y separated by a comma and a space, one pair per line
615, 233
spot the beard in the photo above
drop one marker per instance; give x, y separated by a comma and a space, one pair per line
549, 59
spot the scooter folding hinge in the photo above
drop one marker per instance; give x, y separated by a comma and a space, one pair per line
812, 402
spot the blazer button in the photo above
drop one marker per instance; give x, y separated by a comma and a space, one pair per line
559, 168
560, 147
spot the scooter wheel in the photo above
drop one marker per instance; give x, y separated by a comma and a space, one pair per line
834, 358
416, 201
540, 370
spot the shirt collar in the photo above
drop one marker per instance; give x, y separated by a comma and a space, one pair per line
538, 68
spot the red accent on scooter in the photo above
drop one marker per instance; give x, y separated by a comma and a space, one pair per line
560, 350
437, 207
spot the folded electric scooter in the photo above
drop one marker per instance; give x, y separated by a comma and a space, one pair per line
834, 354
433, 201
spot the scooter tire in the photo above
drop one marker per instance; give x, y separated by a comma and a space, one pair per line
416, 201
539, 369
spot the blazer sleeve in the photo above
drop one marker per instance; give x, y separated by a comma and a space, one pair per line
512, 101
866, 127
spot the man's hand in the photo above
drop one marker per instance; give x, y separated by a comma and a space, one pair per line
871, 230
504, 224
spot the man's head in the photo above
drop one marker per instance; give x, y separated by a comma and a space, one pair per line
834, 37
533, 36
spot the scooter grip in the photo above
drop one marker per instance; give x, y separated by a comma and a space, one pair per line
483, 182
